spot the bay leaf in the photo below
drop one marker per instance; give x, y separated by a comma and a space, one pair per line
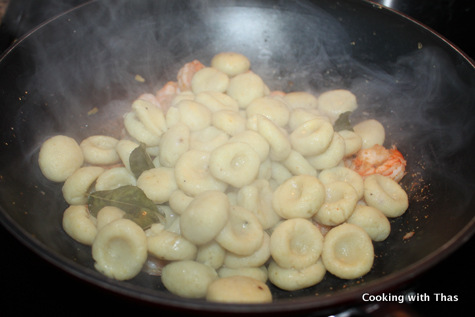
140, 161
132, 200
343, 122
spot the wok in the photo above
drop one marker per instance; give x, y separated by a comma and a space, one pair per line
416, 83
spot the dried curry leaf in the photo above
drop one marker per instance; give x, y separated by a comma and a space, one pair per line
132, 200
343, 122
140, 161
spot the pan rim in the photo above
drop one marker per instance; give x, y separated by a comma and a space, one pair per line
391, 281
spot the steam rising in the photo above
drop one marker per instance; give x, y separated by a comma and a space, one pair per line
89, 58
424, 99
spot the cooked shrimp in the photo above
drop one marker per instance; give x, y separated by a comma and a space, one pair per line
378, 160
166, 94
185, 74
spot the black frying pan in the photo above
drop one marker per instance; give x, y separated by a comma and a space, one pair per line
404, 75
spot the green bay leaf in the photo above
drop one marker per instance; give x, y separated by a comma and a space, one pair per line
343, 122
132, 200
140, 161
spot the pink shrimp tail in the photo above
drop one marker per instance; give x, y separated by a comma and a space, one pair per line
186, 73
166, 94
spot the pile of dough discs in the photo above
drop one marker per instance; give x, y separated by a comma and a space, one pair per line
251, 182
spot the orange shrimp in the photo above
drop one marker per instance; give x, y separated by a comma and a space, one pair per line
166, 94
186, 73
378, 160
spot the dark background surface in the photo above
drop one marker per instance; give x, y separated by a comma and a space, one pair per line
31, 286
